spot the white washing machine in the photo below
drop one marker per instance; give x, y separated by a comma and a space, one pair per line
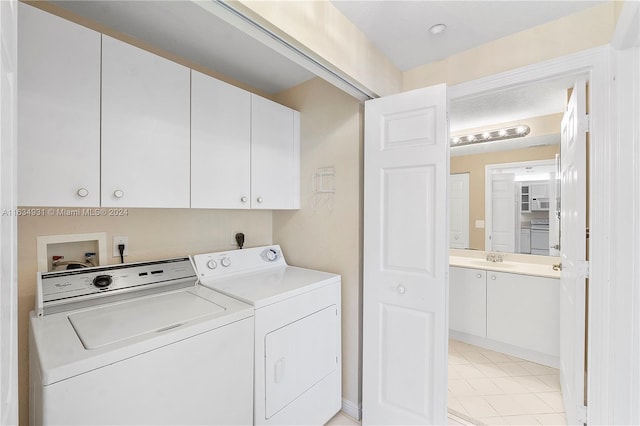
298, 360
139, 343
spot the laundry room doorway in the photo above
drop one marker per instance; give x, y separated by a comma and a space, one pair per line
490, 381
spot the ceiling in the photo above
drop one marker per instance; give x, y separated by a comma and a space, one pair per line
398, 28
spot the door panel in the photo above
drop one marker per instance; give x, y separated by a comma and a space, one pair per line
405, 258
408, 337
573, 251
503, 213
408, 219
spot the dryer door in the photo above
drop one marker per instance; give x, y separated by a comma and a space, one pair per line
298, 356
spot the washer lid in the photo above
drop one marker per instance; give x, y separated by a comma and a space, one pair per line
110, 324
271, 285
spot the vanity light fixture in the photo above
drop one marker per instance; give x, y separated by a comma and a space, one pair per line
519, 131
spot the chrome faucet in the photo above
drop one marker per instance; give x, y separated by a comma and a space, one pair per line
494, 257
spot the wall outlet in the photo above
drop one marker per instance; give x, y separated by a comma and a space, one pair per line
120, 240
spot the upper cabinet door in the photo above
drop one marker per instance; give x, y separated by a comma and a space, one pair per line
145, 128
58, 111
275, 155
220, 144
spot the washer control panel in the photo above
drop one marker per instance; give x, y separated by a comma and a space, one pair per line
92, 282
220, 264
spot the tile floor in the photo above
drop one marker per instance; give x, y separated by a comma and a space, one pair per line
341, 419
493, 388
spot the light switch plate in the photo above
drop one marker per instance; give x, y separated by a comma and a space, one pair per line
480, 224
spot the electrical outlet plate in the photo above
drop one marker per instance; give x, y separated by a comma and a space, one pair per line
120, 240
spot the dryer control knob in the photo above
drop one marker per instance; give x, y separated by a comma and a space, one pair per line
225, 261
270, 255
212, 264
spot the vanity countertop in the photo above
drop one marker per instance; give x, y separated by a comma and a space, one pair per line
541, 266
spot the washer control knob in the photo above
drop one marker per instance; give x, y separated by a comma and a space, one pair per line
225, 261
82, 192
211, 264
118, 193
102, 281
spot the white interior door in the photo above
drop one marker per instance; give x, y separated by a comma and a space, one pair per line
573, 252
8, 222
459, 210
405, 258
502, 234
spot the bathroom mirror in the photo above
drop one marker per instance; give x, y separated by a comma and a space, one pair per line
481, 223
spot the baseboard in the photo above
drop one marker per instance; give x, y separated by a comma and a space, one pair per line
529, 355
351, 409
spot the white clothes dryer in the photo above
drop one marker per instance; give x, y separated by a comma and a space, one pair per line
298, 378
138, 343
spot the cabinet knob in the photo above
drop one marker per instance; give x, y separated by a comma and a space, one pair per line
118, 193
82, 192
401, 289
478, 275
244, 199
493, 277
259, 199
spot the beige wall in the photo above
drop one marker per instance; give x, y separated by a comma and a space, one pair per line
326, 232
475, 166
584, 30
153, 234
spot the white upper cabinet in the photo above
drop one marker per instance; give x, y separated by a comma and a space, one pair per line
104, 123
220, 144
58, 111
145, 128
275, 155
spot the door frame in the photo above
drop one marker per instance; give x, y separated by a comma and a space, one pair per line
596, 64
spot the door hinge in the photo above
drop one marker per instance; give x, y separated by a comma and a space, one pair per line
581, 414
583, 268
587, 123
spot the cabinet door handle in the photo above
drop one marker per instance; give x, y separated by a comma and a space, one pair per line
82, 192
244, 199
493, 277
259, 199
479, 276
401, 289
118, 193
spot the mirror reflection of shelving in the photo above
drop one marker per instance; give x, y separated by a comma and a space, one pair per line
525, 205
